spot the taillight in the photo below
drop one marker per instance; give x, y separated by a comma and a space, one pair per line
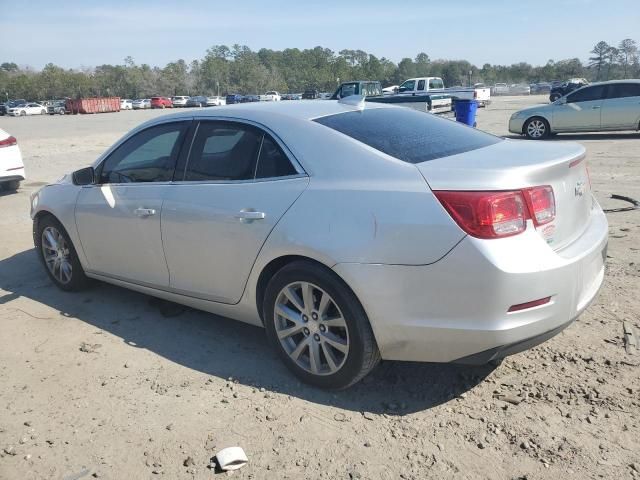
541, 203
499, 214
8, 142
486, 214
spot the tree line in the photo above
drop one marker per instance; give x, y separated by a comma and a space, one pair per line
238, 69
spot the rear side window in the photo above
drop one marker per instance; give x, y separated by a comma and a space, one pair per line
421, 85
272, 161
623, 90
223, 151
407, 134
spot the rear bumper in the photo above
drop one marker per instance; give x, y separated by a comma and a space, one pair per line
457, 308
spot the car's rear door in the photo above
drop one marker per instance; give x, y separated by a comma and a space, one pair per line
581, 111
621, 108
118, 218
237, 184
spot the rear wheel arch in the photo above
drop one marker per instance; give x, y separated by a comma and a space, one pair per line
277, 264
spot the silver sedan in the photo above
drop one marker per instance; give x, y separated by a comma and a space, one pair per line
350, 233
605, 106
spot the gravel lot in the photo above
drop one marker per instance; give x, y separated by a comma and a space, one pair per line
116, 385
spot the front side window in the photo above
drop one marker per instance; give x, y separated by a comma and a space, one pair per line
408, 85
624, 90
586, 94
148, 156
223, 151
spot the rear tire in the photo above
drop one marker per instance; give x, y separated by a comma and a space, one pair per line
536, 128
324, 320
59, 256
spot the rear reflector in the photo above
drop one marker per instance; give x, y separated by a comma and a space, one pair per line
524, 306
486, 214
541, 203
8, 142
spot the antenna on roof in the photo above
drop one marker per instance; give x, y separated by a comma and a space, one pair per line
354, 101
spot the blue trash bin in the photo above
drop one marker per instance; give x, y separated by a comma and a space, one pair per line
466, 112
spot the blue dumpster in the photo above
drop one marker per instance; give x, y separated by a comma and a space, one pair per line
466, 112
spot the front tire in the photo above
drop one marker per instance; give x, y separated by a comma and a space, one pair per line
536, 128
59, 256
318, 327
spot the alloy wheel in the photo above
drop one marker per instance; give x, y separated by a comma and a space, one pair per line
536, 129
311, 328
56, 255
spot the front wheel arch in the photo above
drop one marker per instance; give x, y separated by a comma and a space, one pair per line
537, 117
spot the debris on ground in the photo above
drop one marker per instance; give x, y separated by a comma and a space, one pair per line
231, 458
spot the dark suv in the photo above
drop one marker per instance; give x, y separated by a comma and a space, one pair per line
566, 87
57, 107
310, 94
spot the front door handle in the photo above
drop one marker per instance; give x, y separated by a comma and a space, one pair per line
144, 212
595, 107
249, 215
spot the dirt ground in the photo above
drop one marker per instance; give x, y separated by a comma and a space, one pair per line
112, 384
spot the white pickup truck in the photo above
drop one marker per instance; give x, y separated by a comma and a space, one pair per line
270, 97
431, 85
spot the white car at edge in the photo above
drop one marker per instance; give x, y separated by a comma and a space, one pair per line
27, 109
11, 166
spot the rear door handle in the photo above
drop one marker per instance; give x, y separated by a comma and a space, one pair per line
249, 215
144, 212
595, 108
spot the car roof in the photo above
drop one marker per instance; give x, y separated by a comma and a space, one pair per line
303, 110
613, 82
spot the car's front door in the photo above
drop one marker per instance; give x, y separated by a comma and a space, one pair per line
118, 218
237, 185
621, 108
580, 112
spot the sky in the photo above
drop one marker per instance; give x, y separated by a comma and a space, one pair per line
86, 33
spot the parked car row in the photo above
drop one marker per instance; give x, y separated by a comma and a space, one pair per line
513, 89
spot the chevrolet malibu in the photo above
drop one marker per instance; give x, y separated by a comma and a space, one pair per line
350, 233
605, 106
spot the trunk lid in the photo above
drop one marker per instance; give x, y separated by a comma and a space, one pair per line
517, 164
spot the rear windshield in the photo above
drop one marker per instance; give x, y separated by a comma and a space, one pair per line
408, 134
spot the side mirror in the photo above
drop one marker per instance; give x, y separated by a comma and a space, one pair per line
84, 176
402, 89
